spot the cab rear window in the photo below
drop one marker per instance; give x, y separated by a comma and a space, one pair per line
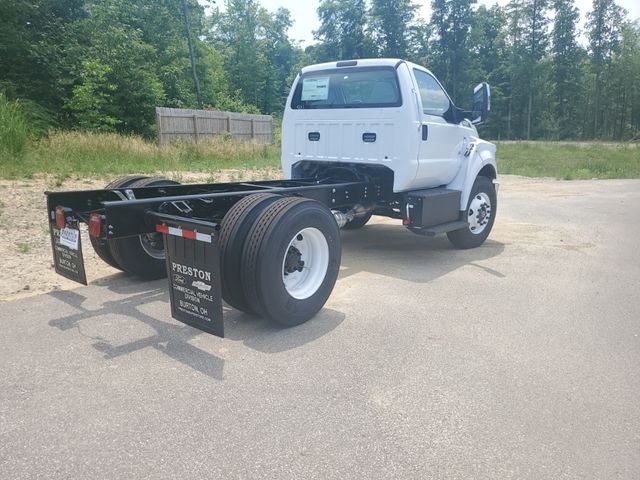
348, 88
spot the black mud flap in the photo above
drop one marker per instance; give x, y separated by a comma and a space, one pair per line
193, 269
67, 253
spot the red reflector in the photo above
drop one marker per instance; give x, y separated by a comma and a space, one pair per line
191, 235
61, 218
162, 229
95, 225
406, 221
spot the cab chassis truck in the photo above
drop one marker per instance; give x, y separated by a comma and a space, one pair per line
360, 138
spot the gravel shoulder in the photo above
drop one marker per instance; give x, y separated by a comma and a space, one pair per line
24, 233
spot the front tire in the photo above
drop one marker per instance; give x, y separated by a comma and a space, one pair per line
291, 260
480, 213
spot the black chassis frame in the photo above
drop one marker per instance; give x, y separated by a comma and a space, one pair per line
134, 211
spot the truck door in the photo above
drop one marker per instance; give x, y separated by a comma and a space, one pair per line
441, 140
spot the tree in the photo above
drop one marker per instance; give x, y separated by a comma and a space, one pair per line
488, 61
258, 53
528, 43
390, 26
604, 24
38, 46
567, 82
342, 29
90, 102
451, 21
624, 83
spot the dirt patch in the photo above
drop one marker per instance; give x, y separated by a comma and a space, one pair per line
27, 261
24, 232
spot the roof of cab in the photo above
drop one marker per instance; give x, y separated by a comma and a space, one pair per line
362, 62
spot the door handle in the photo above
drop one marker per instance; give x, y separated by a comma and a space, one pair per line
425, 132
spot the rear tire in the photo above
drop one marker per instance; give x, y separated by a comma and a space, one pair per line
101, 246
142, 255
276, 281
480, 213
233, 233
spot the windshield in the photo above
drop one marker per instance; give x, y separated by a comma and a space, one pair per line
348, 88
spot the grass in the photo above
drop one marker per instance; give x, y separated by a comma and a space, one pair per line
66, 154
76, 154
23, 247
14, 128
569, 160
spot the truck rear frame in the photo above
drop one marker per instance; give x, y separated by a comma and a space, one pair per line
189, 218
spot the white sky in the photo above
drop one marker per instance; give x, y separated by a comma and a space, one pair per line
305, 18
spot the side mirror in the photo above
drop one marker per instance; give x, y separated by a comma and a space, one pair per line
481, 103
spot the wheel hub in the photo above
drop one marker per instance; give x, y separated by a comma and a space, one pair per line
305, 263
153, 245
293, 261
479, 213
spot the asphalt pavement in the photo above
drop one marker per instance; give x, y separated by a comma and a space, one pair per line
519, 359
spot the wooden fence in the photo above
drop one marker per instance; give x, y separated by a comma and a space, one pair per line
176, 124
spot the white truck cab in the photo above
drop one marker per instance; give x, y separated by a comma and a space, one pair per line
389, 114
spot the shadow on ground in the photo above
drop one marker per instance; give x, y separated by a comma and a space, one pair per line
392, 251
172, 338
382, 249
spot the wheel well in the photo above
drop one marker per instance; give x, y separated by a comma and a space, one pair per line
488, 171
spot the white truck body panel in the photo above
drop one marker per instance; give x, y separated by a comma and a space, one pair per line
442, 159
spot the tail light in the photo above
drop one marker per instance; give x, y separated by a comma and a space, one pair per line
61, 217
95, 225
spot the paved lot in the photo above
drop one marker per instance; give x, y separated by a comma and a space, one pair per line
520, 359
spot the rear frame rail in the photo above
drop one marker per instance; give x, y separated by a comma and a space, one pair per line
125, 210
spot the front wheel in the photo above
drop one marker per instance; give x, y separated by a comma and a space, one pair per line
480, 214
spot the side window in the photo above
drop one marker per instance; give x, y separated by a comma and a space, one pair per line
434, 100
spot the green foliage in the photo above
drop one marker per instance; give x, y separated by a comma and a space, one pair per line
342, 30
569, 161
604, 24
14, 130
452, 20
103, 65
566, 80
258, 55
90, 101
38, 42
67, 154
390, 22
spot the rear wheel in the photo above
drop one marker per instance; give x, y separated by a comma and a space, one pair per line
481, 213
233, 232
101, 246
142, 255
291, 260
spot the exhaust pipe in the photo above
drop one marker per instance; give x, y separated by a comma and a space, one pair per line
358, 210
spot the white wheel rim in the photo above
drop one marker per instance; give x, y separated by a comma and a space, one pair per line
152, 245
479, 213
305, 263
